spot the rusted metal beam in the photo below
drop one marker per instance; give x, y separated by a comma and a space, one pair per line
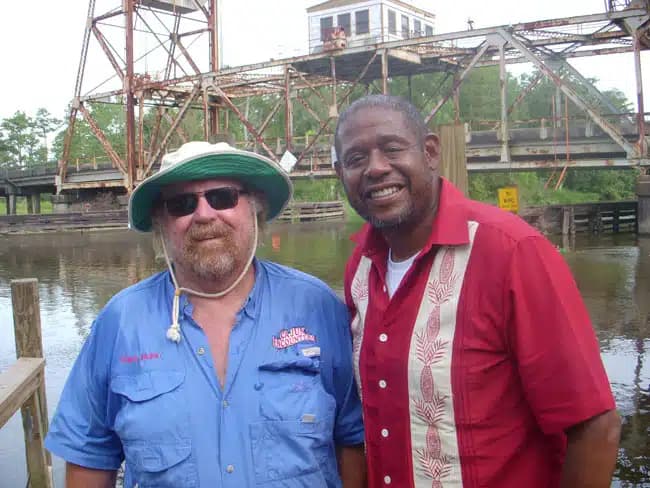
186, 54
309, 85
193, 32
161, 43
179, 130
111, 59
384, 71
452, 36
334, 105
213, 25
642, 145
311, 112
569, 92
288, 110
156, 130
503, 85
202, 8
129, 95
175, 124
206, 114
260, 130
140, 134
108, 15
171, 55
103, 140
313, 141
67, 142
457, 82
245, 121
357, 80
529, 88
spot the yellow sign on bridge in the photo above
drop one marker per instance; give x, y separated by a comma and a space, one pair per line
509, 198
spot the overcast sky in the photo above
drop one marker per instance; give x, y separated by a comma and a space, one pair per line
42, 41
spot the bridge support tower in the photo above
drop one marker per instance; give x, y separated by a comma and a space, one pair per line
643, 209
11, 203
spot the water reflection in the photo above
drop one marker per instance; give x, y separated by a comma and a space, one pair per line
79, 272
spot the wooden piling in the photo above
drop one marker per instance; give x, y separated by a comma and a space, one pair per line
27, 329
453, 163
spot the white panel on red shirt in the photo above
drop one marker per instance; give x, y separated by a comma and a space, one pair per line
435, 455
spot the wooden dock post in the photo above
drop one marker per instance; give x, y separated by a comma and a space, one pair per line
29, 344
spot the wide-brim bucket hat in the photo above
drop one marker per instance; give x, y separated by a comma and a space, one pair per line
201, 160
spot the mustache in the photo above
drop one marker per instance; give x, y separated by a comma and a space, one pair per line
198, 232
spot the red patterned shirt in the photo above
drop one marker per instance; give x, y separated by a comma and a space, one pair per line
481, 360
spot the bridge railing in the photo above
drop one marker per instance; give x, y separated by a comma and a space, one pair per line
624, 121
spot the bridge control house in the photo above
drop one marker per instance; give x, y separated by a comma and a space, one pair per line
337, 24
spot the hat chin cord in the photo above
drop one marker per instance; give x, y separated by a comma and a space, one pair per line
174, 331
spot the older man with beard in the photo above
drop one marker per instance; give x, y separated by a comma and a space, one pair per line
250, 385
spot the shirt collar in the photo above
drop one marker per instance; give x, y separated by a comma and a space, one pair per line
449, 225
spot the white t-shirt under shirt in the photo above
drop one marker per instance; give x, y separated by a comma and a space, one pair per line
396, 271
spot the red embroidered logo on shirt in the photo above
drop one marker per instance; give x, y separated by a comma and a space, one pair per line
291, 337
145, 356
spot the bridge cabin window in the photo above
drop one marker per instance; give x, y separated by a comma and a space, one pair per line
428, 30
326, 26
361, 20
405, 27
343, 21
417, 28
392, 22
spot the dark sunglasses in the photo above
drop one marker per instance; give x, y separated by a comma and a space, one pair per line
218, 198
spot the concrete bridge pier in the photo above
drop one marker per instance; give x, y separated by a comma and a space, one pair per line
36, 203
11, 203
33, 203
643, 209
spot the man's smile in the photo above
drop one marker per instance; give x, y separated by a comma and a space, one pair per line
384, 192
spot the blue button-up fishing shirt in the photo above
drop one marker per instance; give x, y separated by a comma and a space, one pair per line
288, 398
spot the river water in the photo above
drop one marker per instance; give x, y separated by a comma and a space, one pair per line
78, 272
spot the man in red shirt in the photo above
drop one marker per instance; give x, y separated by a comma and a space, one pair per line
475, 356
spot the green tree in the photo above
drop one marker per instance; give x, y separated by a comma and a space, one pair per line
85, 146
20, 142
45, 124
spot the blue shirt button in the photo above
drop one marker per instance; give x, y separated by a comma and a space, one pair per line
258, 386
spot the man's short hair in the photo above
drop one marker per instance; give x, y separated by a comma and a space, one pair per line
411, 115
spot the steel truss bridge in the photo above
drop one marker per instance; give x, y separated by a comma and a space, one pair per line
188, 80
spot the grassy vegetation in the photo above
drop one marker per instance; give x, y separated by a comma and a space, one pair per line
578, 187
21, 205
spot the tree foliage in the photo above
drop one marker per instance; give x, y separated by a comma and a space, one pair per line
23, 139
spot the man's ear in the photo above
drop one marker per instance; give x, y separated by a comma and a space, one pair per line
432, 150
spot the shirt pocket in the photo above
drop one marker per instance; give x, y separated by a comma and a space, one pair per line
153, 424
291, 453
292, 389
161, 465
294, 442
